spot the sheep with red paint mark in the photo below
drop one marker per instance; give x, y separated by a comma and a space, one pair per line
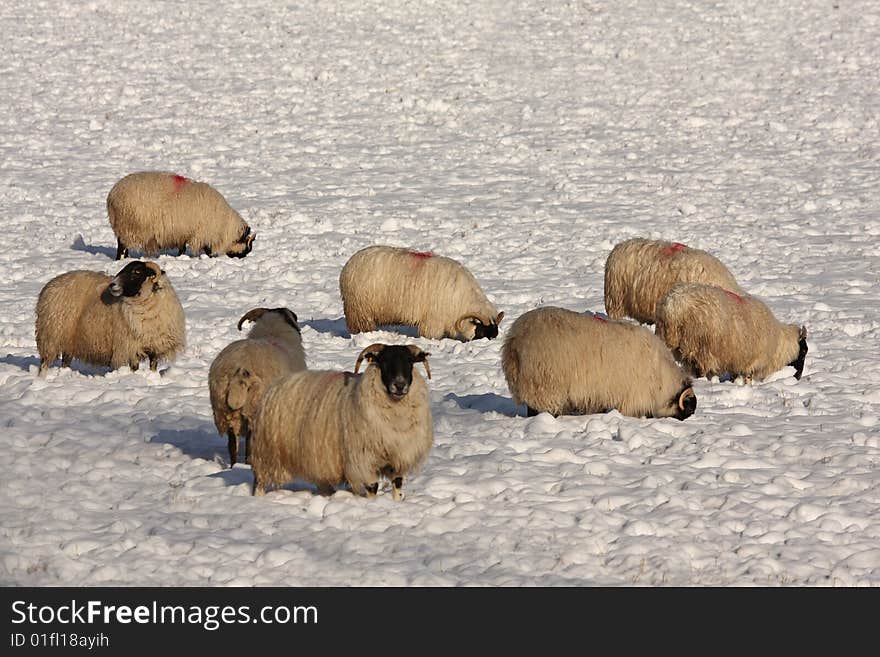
242, 371
158, 210
330, 427
383, 285
563, 362
109, 320
639, 272
714, 331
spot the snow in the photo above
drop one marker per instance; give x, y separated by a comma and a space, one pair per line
524, 139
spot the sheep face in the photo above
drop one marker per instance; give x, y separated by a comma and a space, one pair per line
395, 363
243, 245
135, 278
472, 327
798, 363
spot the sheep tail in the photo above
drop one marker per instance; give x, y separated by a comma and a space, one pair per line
240, 384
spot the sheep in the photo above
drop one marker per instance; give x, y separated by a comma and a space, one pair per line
438, 295
110, 321
158, 210
638, 272
330, 427
240, 373
713, 331
563, 362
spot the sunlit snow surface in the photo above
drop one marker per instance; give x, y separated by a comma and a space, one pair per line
524, 139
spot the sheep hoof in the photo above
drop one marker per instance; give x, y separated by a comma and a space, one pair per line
396, 489
258, 490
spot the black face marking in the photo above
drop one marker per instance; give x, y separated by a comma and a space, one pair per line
129, 281
798, 363
481, 330
289, 317
687, 406
395, 362
372, 489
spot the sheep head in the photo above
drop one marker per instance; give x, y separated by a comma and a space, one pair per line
395, 363
243, 245
686, 403
798, 363
256, 313
475, 327
133, 279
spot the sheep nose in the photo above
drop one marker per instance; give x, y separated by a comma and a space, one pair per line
398, 388
115, 288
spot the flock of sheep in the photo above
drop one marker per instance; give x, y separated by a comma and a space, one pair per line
333, 427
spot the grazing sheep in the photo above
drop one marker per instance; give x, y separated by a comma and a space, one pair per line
158, 210
713, 331
639, 272
110, 321
243, 370
390, 285
563, 362
329, 427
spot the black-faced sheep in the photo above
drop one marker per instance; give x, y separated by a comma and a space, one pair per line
242, 371
332, 427
713, 331
563, 362
639, 272
111, 321
158, 210
438, 295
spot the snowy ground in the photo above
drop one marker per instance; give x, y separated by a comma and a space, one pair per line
524, 139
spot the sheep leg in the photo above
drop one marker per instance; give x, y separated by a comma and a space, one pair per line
181, 250
325, 489
154, 361
233, 447
531, 412
121, 250
65, 360
247, 449
258, 488
208, 251
396, 488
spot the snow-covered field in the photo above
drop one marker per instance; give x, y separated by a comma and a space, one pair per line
524, 139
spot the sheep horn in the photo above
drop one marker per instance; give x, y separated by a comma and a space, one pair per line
369, 353
252, 316
420, 356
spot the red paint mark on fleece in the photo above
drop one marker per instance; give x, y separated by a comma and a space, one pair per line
600, 318
734, 295
421, 254
179, 181
674, 248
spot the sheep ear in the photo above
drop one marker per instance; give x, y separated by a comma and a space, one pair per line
370, 353
420, 356
499, 318
252, 316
